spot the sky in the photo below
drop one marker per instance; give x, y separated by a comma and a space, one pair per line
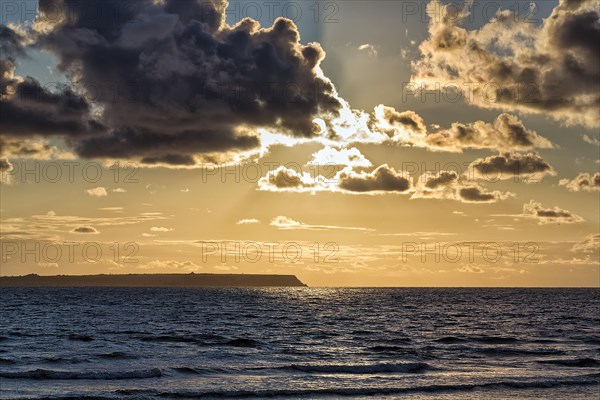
350, 143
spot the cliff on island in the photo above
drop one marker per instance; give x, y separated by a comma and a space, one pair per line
153, 280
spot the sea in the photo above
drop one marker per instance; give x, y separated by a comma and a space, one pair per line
306, 343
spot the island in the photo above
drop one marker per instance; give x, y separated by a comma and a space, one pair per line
153, 280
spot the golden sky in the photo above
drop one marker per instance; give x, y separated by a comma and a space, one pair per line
442, 144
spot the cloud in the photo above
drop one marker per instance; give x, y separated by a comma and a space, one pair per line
369, 49
161, 229
441, 179
286, 223
33, 149
119, 190
591, 140
530, 167
51, 226
551, 69
186, 86
471, 269
192, 89
405, 126
476, 194
583, 182
85, 229
383, 179
97, 192
170, 265
287, 179
420, 235
30, 109
507, 132
544, 215
448, 185
11, 41
339, 157
225, 268
591, 244
6, 168
248, 221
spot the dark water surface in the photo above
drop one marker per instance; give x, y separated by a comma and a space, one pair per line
120, 343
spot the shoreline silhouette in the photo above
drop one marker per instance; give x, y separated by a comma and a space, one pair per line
152, 280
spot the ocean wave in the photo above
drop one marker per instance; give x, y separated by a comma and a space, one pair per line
42, 374
399, 340
545, 341
173, 339
81, 338
389, 349
198, 371
74, 397
583, 380
578, 362
117, 355
56, 359
360, 369
24, 334
450, 340
203, 340
495, 339
242, 342
503, 351
477, 339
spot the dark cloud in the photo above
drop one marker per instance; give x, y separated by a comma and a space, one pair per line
85, 229
286, 179
382, 179
545, 215
29, 109
11, 42
5, 165
583, 182
407, 119
444, 185
173, 80
530, 167
553, 69
444, 178
507, 132
476, 194
5, 171
172, 149
448, 185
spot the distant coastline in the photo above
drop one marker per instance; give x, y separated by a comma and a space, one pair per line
153, 280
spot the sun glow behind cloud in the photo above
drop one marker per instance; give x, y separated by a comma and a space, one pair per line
359, 174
